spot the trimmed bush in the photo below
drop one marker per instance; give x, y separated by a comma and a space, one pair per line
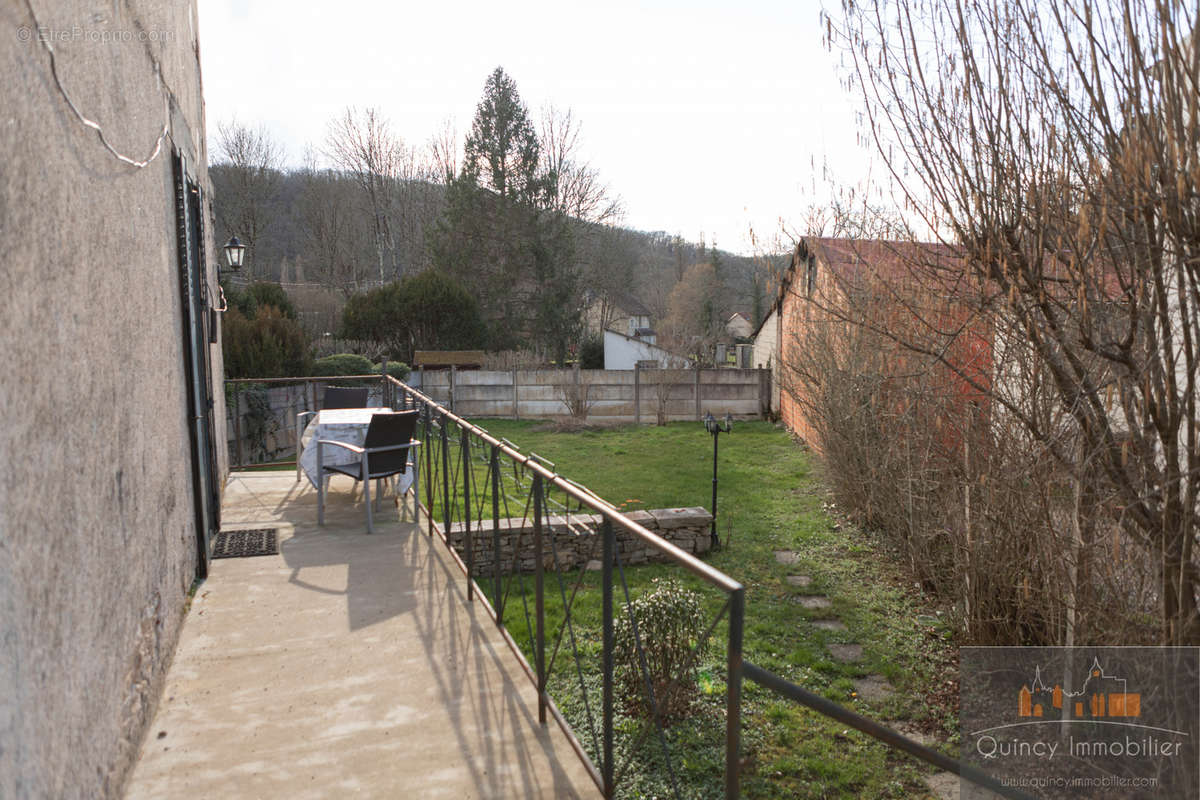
267, 345
428, 311
397, 369
343, 364
260, 295
669, 624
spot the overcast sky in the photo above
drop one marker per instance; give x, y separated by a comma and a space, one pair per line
704, 119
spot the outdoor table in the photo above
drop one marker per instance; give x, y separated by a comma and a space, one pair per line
347, 425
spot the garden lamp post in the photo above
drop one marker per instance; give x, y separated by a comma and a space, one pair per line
716, 428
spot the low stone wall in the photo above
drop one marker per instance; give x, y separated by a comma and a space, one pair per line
575, 541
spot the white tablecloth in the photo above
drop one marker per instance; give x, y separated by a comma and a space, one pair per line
347, 425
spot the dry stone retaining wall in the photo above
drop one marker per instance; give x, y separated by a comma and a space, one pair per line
575, 541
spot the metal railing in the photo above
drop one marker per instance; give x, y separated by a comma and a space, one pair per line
472, 482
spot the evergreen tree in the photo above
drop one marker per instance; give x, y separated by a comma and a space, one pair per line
501, 152
500, 235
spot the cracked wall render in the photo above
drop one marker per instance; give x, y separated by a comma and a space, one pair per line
97, 538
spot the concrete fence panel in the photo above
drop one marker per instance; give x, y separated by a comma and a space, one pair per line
613, 396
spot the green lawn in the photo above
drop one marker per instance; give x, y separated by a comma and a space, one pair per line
770, 499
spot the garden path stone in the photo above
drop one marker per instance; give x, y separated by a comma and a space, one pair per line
799, 580
913, 732
873, 688
787, 556
812, 602
830, 624
944, 786
846, 653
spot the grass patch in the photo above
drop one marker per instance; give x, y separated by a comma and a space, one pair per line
770, 499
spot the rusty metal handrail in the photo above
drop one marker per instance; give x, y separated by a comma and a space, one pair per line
542, 478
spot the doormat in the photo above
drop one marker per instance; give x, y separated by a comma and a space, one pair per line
242, 544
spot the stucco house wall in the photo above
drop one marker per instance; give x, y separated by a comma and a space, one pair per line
766, 352
97, 517
624, 352
621, 313
738, 326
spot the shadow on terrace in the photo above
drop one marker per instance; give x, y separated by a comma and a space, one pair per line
347, 663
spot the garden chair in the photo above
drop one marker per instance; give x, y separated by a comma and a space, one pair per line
335, 397
388, 451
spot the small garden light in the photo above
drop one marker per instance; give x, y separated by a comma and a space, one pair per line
716, 428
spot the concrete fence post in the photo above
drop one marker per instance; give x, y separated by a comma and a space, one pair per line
516, 398
698, 414
764, 392
637, 395
453, 371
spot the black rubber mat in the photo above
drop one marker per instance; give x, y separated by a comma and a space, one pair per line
242, 544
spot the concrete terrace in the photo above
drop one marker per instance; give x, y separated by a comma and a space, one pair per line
347, 664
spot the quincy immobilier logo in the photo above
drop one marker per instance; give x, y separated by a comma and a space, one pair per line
1117, 722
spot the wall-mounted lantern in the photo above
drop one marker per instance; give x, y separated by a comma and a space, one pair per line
235, 253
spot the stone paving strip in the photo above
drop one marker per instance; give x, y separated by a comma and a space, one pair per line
830, 624
846, 653
872, 688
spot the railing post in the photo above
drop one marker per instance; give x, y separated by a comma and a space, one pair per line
733, 694
468, 534
494, 469
384, 386
538, 582
608, 547
237, 422
429, 482
446, 482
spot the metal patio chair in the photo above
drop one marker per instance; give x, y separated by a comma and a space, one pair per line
335, 397
388, 451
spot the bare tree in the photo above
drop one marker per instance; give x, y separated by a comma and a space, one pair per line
443, 154
331, 212
1057, 146
610, 269
361, 143
574, 185
666, 380
696, 312
575, 393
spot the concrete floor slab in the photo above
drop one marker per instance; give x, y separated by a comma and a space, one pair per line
347, 665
